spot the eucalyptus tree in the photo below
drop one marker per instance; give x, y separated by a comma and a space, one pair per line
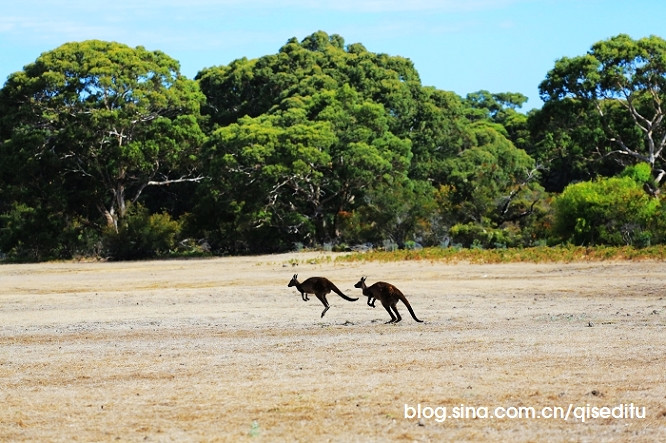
306, 134
569, 142
104, 121
501, 108
285, 176
487, 179
624, 81
332, 142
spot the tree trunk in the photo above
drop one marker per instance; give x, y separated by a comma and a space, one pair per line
111, 219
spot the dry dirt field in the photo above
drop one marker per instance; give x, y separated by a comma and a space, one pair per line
222, 350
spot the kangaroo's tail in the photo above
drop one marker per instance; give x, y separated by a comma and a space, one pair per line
409, 308
339, 292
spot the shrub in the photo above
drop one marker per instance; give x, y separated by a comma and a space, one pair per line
33, 234
484, 236
142, 235
614, 211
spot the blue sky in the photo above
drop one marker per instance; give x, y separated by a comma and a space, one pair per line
456, 45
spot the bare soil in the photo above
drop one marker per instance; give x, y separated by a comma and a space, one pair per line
221, 350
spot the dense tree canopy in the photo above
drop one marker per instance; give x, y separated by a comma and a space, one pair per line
624, 81
89, 125
107, 118
330, 134
108, 150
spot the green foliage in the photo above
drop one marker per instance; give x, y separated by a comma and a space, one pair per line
109, 119
24, 235
640, 173
477, 235
36, 234
399, 213
614, 211
623, 81
324, 144
487, 181
500, 108
142, 235
328, 136
567, 138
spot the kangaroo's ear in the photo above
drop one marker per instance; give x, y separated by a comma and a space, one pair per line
295, 276
363, 278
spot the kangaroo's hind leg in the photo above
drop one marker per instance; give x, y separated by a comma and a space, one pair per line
388, 309
395, 308
322, 298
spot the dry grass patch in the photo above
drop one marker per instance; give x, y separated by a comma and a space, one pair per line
222, 350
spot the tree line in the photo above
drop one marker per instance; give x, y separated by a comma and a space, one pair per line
109, 151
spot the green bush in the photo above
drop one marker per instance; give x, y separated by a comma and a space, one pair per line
32, 234
29, 234
480, 236
142, 235
613, 211
640, 173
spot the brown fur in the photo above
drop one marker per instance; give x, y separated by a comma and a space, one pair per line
319, 286
388, 295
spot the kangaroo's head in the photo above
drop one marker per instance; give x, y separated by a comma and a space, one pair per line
293, 281
361, 283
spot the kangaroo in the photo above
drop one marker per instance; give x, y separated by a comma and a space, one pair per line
319, 286
389, 295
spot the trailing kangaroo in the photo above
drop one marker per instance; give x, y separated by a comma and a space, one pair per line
388, 295
319, 286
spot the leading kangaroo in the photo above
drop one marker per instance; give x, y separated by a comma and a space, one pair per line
388, 295
319, 286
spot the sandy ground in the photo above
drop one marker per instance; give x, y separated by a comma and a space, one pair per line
221, 350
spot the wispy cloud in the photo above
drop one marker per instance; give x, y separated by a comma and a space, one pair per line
230, 27
163, 8
152, 21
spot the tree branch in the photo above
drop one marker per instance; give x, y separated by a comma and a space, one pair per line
166, 182
177, 180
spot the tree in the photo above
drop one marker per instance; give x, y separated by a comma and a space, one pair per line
487, 177
490, 186
440, 130
106, 120
299, 167
307, 133
333, 143
281, 163
568, 141
502, 109
620, 74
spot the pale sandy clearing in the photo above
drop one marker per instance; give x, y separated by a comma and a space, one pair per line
221, 350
